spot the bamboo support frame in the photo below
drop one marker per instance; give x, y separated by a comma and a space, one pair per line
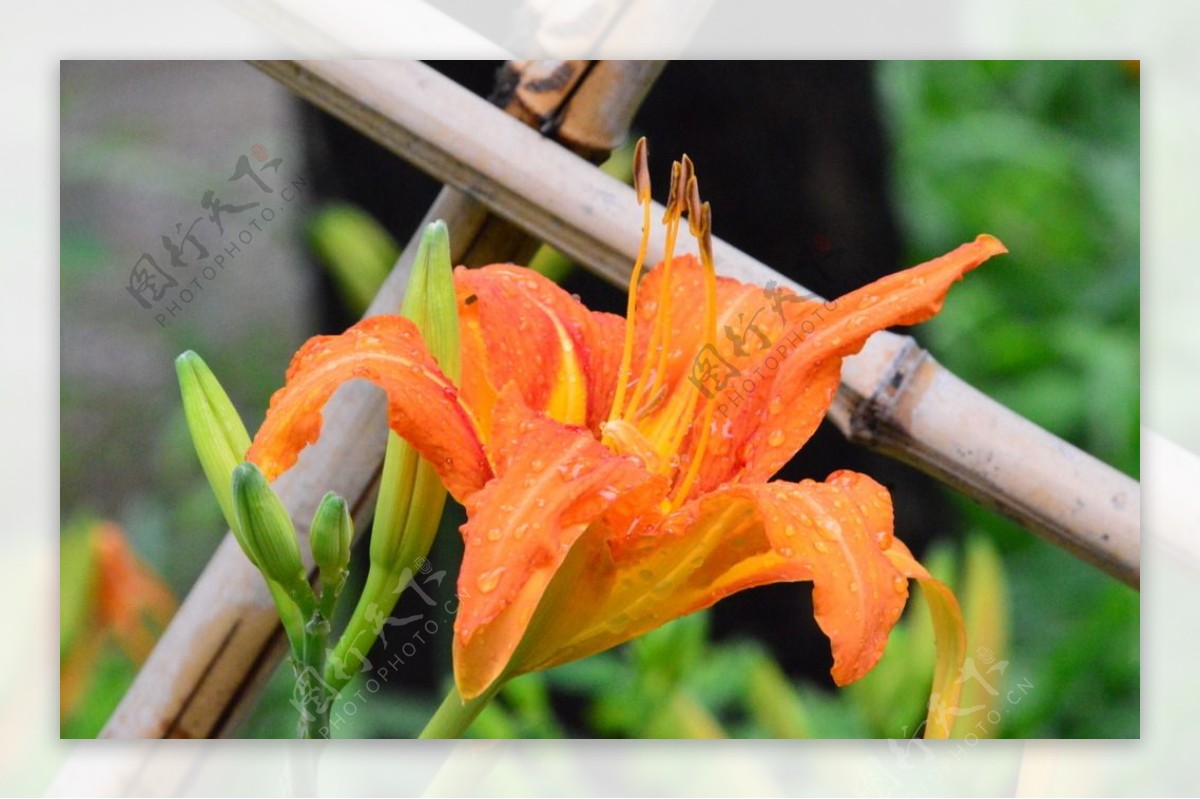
894, 397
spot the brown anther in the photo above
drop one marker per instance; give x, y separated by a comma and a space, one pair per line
674, 196
686, 172
693, 206
705, 235
641, 171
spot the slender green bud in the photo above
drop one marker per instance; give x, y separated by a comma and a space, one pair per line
267, 529
411, 495
217, 431
330, 536
430, 301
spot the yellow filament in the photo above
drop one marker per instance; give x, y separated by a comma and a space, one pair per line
710, 339
659, 336
630, 311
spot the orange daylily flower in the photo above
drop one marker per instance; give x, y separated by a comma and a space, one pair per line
126, 603
615, 471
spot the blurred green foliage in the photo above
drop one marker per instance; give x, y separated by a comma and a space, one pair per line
1045, 156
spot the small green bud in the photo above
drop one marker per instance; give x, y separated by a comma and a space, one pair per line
267, 529
430, 300
217, 431
330, 536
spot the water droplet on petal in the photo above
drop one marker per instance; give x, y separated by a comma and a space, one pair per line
775, 438
775, 405
494, 534
853, 587
537, 464
786, 552
821, 546
488, 581
829, 528
789, 530
900, 584
519, 533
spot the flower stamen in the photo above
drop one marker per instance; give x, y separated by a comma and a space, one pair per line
641, 184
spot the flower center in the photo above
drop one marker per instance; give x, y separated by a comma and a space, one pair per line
636, 424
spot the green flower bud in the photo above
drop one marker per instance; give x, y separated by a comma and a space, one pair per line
268, 532
217, 431
330, 536
411, 495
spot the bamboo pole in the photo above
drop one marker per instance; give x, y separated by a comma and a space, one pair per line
225, 640
894, 396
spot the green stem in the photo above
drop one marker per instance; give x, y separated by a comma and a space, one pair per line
377, 600
315, 694
454, 716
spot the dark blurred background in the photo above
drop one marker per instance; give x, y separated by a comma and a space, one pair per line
890, 163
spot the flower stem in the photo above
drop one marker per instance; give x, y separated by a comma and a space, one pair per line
314, 695
454, 716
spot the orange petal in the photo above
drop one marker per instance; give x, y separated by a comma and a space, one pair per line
808, 377
950, 635
618, 584
782, 352
132, 601
552, 481
423, 405
520, 327
839, 529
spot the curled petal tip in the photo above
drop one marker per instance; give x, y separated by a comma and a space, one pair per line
992, 244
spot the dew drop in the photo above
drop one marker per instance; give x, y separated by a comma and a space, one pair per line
520, 531
853, 587
789, 530
821, 546
775, 405
787, 552
488, 581
900, 584
775, 438
494, 534
829, 528
537, 464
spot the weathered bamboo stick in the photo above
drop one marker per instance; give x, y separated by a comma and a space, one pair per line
894, 396
225, 640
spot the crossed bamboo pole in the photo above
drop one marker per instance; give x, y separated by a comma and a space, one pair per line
225, 640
